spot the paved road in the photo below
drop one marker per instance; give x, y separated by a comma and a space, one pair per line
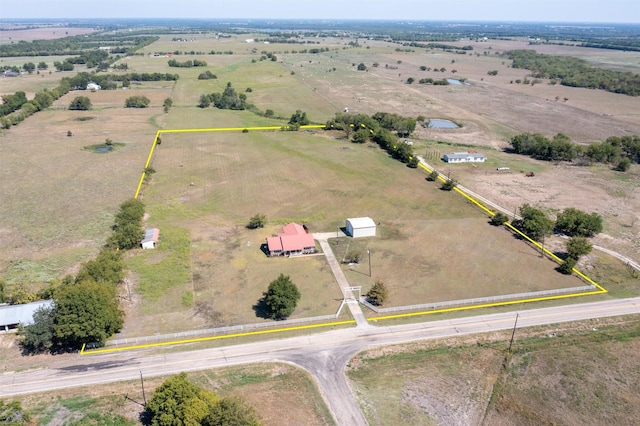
324, 355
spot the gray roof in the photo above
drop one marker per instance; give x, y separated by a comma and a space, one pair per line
12, 315
461, 155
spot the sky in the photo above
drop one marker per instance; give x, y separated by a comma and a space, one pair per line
612, 11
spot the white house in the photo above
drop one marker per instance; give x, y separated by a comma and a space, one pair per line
464, 157
93, 86
150, 240
359, 227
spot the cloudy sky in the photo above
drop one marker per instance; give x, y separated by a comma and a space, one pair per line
620, 11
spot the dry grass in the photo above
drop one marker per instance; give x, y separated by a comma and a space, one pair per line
280, 393
462, 381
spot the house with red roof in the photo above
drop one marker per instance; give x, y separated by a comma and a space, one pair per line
292, 240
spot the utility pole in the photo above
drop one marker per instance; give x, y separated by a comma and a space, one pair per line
144, 398
513, 333
369, 253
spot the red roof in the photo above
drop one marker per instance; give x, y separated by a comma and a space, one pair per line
292, 237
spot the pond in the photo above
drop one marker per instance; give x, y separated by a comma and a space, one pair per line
438, 123
457, 82
104, 148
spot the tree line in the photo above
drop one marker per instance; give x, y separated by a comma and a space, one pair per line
85, 308
382, 128
77, 45
187, 64
575, 72
621, 151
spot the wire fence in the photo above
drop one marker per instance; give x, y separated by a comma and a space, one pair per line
477, 300
208, 332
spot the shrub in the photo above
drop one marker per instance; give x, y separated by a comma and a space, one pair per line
80, 103
378, 293
137, 102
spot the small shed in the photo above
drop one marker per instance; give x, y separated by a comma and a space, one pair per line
150, 240
13, 315
359, 227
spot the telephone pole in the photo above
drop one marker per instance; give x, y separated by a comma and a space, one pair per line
513, 333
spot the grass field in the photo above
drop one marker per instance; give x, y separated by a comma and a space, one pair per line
322, 181
462, 381
431, 245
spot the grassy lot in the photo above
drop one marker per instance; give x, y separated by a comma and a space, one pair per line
280, 393
462, 381
431, 245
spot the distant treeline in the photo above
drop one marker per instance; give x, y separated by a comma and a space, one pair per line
575, 72
187, 64
44, 98
620, 150
438, 46
77, 45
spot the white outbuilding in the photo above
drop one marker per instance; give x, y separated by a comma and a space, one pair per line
361, 227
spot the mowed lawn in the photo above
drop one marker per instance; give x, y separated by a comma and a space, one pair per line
431, 245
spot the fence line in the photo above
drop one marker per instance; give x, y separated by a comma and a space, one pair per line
476, 301
216, 331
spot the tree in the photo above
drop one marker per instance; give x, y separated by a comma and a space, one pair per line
231, 411
433, 176
578, 246
29, 67
534, 222
86, 312
299, 118
361, 136
567, 266
499, 219
137, 102
257, 221
448, 185
362, 67
106, 268
80, 103
38, 336
168, 103
179, 402
128, 231
42, 65
624, 164
410, 80
281, 297
575, 222
378, 293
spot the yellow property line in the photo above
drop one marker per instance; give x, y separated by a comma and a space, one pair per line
600, 290
205, 339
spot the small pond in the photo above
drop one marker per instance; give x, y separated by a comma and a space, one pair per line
438, 123
454, 81
103, 148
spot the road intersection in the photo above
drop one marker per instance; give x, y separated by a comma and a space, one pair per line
325, 355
